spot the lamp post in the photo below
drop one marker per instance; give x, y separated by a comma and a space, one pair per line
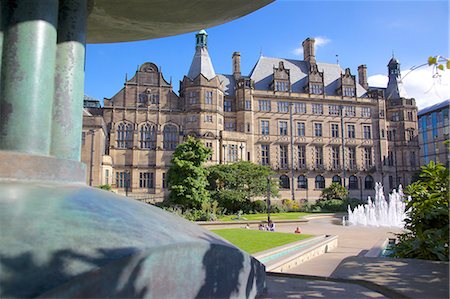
91, 165
241, 147
268, 199
341, 108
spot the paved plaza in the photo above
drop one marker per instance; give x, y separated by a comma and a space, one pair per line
345, 272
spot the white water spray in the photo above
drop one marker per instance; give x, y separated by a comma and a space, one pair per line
380, 212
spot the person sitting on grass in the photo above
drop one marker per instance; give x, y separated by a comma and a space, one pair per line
261, 226
271, 226
297, 230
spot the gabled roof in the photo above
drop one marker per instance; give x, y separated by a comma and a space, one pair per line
262, 74
201, 64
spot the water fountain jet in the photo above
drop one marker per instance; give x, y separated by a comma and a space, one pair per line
380, 212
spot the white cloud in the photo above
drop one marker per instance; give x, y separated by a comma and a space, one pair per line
320, 41
421, 85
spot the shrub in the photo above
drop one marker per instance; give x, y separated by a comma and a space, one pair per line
259, 206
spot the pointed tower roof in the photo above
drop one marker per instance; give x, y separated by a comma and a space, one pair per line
395, 88
201, 63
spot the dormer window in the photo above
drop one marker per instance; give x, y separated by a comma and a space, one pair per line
316, 89
348, 91
281, 86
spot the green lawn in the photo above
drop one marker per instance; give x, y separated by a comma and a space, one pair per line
253, 241
274, 216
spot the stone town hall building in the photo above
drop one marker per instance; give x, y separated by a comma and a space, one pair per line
312, 122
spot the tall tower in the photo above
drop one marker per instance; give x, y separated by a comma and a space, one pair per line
202, 93
402, 131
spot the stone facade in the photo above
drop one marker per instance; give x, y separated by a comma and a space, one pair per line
312, 122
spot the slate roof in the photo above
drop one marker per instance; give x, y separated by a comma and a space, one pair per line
395, 89
201, 64
262, 74
434, 107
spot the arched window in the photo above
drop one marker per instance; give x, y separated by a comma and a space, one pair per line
124, 135
368, 182
320, 182
148, 136
337, 179
284, 182
302, 182
170, 137
353, 182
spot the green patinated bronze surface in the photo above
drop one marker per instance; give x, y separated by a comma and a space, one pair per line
69, 80
28, 69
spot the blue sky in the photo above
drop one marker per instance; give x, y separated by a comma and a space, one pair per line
359, 32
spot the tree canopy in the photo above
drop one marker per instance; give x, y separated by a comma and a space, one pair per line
186, 176
428, 216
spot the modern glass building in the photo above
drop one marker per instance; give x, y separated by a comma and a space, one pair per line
433, 132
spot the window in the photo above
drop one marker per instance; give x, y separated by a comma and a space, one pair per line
391, 158
283, 107
302, 182
124, 135
320, 182
210, 146
334, 110
248, 105
351, 131
412, 159
122, 179
208, 119
395, 116
300, 129
334, 130
265, 154
282, 127
316, 88
208, 97
227, 106
336, 179
170, 137
164, 181
146, 180
350, 111
411, 134
319, 157
106, 176
318, 130
367, 132
335, 157
83, 138
353, 183
191, 118
148, 136
348, 91
193, 97
284, 182
368, 157
264, 127
264, 105
317, 108
281, 86
391, 182
230, 125
154, 98
352, 157
301, 156
300, 108
368, 182
283, 157
232, 153
365, 112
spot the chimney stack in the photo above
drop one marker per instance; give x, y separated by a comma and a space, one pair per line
237, 65
308, 50
362, 76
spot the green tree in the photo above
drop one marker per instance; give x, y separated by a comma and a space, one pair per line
234, 185
428, 216
334, 191
186, 176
